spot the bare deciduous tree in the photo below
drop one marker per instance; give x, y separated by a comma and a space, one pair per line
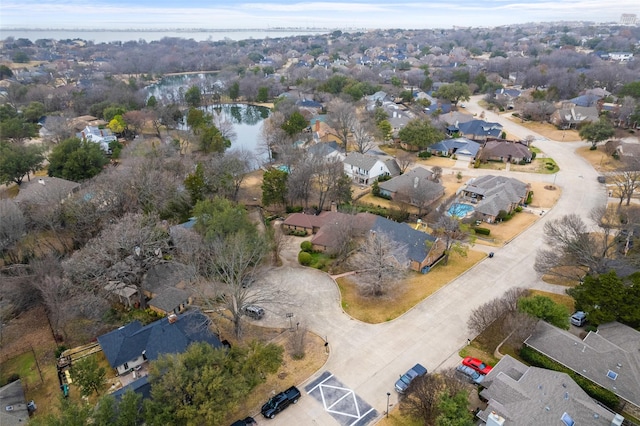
362, 138
437, 173
381, 264
627, 180
487, 313
12, 224
122, 252
572, 249
232, 264
405, 159
342, 119
424, 393
455, 234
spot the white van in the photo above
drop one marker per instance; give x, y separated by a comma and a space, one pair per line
578, 319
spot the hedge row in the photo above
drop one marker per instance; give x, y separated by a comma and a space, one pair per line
595, 391
482, 231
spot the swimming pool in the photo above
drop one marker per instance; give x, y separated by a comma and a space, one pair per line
460, 210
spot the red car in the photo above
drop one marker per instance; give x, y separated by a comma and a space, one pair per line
477, 365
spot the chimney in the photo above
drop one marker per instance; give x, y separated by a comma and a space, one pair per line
317, 125
334, 206
494, 419
173, 318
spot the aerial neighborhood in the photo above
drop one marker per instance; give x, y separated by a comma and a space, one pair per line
389, 227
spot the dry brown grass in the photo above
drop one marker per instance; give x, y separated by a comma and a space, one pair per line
598, 158
292, 372
413, 290
549, 130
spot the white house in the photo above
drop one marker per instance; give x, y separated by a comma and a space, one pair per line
621, 56
100, 136
364, 169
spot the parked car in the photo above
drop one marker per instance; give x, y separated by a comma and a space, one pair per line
470, 374
578, 319
248, 421
477, 365
403, 382
280, 401
602, 179
253, 311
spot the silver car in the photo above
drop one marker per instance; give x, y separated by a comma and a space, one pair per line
470, 374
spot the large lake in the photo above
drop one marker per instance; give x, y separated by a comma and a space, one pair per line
109, 36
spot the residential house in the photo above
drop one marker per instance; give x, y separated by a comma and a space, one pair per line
528, 396
421, 250
45, 191
14, 409
364, 169
322, 132
329, 150
609, 356
461, 147
586, 100
493, 194
507, 97
505, 151
134, 344
621, 56
101, 136
415, 187
569, 116
478, 130
167, 287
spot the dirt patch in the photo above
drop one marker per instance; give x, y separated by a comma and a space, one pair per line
250, 193
549, 130
412, 291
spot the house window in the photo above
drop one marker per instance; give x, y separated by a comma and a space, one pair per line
126, 366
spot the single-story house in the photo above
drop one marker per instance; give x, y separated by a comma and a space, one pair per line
507, 96
609, 356
167, 287
364, 169
421, 249
569, 116
327, 150
45, 191
416, 187
479, 129
522, 395
101, 136
134, 344
506, 151
492, 194
459, 146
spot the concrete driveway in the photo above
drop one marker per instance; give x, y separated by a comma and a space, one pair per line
369, 358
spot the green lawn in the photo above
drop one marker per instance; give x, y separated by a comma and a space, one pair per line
24, 366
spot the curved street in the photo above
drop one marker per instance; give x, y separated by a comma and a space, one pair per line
368, 358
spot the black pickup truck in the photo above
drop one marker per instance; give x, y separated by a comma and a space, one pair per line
280, 401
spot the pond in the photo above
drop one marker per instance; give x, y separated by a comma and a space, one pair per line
246, 119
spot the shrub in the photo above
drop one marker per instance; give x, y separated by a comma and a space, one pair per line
424, 154
304, 258
522, 162
482, 231
294, 209
533, 155
595, 391
518, 209
529, 197
476, 163
306, 246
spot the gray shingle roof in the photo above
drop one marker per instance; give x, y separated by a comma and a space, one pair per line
414, 242
45, 190
498, 193
538, 397
362, 161
594, 356
160, 337
406, 180
506, 149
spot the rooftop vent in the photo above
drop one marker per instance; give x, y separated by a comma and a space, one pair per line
612, 375
41, 182
173, 318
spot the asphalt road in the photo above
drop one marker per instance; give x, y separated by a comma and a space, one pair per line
369, 358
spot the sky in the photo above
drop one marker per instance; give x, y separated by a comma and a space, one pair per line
333, 14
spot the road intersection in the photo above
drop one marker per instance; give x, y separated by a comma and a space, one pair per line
367, 358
